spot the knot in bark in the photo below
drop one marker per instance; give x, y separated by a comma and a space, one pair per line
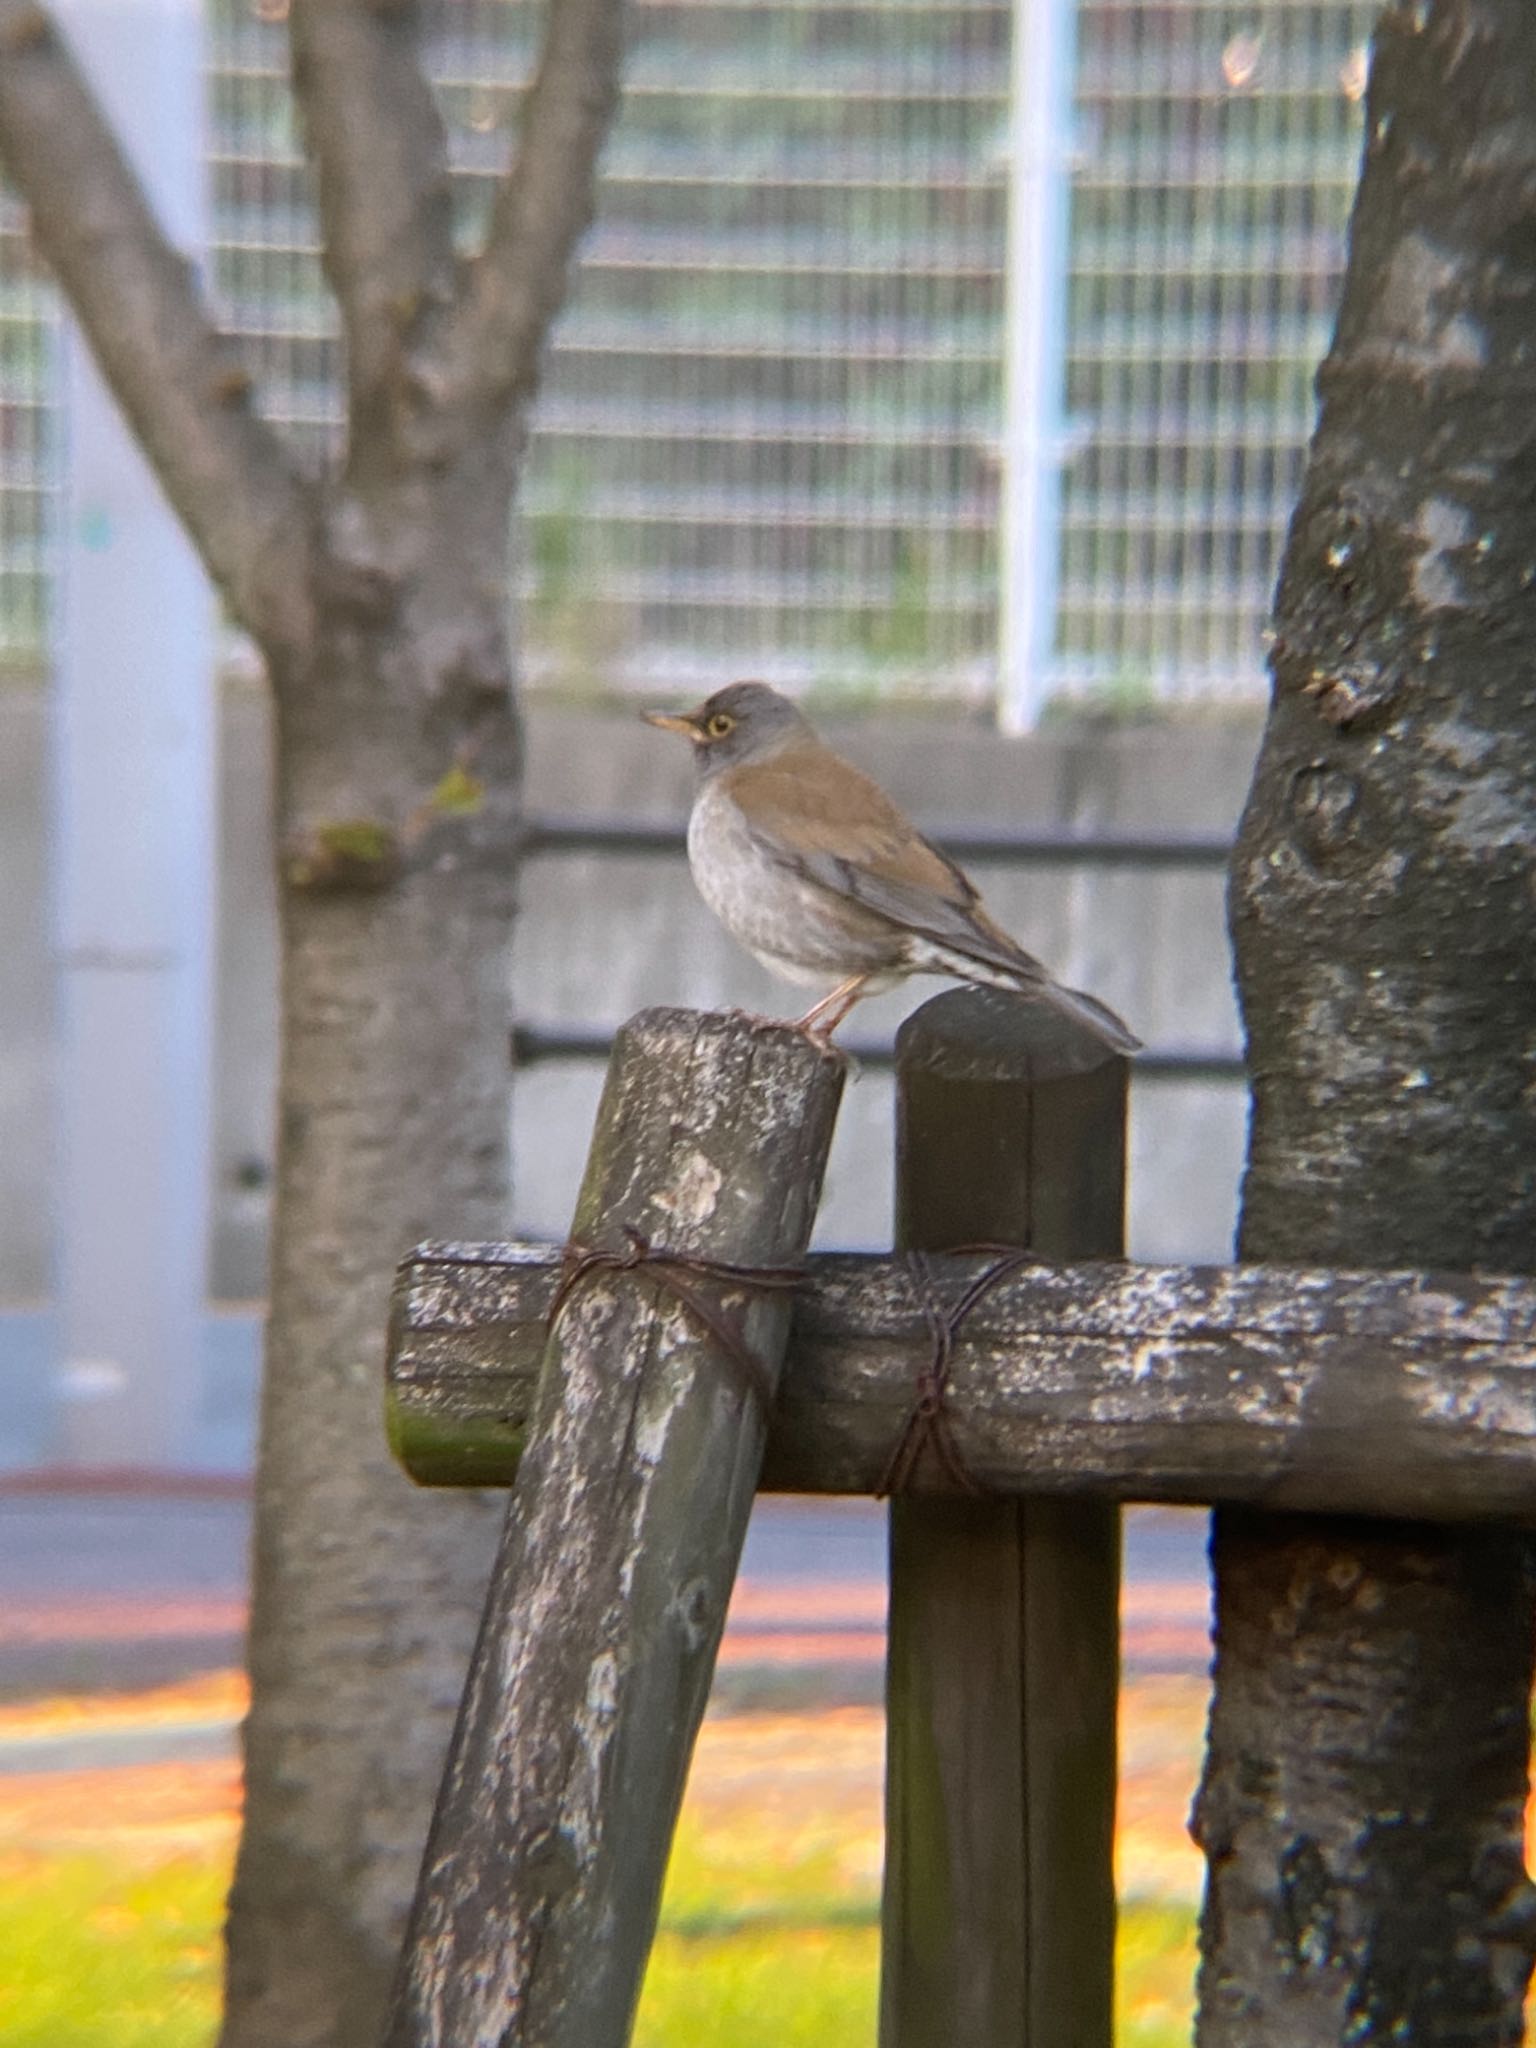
1306, 1907
353, 574
1345, 694
1508, 1896
1343, 641
1324, 806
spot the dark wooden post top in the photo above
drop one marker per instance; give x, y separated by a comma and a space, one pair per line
999, 1911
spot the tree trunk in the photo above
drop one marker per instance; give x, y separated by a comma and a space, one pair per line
378, 600
398, 808
1364, 1789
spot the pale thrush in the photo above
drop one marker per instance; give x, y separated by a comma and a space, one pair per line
810, 865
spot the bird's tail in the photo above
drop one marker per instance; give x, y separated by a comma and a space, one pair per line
997, 962
1093, 1015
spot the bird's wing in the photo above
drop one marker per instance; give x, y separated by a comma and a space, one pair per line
818, 817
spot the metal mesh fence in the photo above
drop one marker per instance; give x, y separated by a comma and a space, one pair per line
769, 435
771, 420
264, 267
1219, 152
27, 452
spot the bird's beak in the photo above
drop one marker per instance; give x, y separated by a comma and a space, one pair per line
669, 722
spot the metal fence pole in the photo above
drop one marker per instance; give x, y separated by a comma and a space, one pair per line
1034, 358
133, 738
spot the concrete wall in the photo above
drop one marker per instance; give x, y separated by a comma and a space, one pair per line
597, 939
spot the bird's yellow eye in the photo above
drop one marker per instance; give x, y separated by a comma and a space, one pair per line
720, 725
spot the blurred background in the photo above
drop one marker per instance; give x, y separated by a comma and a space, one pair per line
946, 362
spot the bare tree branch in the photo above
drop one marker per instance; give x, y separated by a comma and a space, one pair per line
376, 139
180, 383
516, 285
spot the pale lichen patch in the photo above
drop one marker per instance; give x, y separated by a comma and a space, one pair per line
1415, 321
1442, 526
696, 1189
1468, 746
1483, 810
1483, 1401
1145, 1360
1336, 1012
593, 1731
652, 1427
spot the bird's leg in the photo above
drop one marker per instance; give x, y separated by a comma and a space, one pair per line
823, 1018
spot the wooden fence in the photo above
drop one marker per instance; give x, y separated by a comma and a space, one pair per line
642, 1383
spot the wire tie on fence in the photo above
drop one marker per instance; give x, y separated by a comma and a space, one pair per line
674, 1272
928, 1424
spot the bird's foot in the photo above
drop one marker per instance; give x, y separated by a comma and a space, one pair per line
823, 1018
819, 1035
821, 1038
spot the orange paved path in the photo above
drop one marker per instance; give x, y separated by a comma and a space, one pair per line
824, 1763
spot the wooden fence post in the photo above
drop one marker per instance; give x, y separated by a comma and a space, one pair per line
1003, 1665
543, 1873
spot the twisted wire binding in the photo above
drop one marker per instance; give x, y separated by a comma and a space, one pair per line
928, 1425
671, 1271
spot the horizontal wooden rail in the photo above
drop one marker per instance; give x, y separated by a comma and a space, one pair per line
1374, 1393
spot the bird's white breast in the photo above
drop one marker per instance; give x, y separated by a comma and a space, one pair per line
789, 924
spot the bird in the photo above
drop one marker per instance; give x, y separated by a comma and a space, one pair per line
812, 868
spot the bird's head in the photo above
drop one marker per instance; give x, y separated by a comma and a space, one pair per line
744, 722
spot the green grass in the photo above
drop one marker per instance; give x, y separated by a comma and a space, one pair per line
104, 1952
802, 1987
1155, 1986
816, 1987
99, 1950
787, 1952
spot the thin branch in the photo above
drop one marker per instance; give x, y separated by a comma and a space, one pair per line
516, 285
375, 136
179, 382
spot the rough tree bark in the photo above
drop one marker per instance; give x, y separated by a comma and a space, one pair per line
1362, 1804
377, 595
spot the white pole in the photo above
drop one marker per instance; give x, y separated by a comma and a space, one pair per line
1039, 201
133, 739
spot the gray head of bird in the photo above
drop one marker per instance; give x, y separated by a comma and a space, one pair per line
743, 723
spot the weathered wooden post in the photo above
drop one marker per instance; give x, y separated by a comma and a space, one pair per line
1003, 1665
543, 1872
